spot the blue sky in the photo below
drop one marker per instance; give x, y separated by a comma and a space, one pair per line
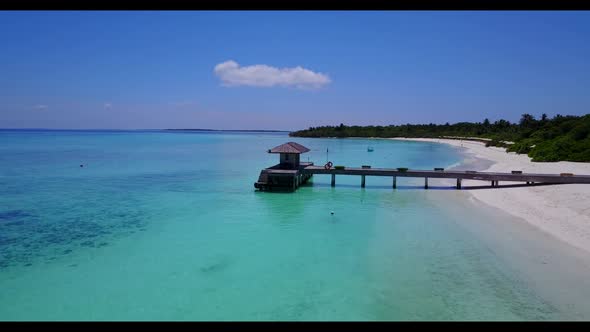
149, 69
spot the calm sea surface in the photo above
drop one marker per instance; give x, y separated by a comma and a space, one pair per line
168, 226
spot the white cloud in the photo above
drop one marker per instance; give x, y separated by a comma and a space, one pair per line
231, 74
108, 106
40, 107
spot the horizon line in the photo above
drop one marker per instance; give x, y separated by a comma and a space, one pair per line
147, 129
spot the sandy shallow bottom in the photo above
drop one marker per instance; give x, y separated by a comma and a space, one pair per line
547, 237
563, 211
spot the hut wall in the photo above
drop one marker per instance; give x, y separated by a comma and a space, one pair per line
290, 160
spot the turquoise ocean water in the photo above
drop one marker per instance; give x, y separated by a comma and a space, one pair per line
168, 226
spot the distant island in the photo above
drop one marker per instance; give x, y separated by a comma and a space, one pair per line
561, 138
233, 130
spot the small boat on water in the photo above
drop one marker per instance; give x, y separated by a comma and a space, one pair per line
370, 149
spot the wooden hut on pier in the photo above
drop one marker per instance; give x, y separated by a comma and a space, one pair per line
286, 175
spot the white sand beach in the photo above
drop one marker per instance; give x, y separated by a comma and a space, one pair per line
562, 211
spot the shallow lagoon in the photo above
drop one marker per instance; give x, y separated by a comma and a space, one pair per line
167, 226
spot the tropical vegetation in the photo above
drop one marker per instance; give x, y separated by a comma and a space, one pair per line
561, 138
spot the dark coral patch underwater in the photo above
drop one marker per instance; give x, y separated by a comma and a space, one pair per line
27, 238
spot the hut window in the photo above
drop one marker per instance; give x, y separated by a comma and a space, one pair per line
287, 157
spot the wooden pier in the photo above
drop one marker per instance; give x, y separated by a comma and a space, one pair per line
277, 179
290, 175
493, 177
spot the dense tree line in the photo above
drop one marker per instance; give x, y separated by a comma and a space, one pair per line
544, 139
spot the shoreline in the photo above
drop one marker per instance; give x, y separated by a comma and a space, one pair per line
559, 210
